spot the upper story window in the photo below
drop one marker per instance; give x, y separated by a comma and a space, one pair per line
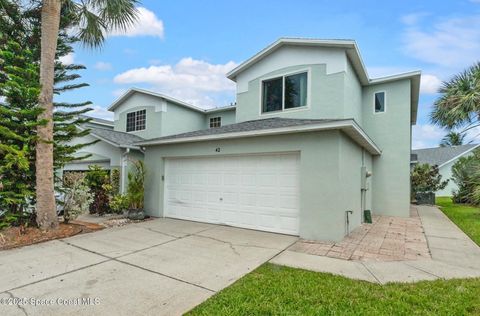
379, 102
283, 93
215, 122
136, 121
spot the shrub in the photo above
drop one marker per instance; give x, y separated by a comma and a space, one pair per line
135, 188
119, 203
426, 179
466, 175
98, 179
115, 181
77, 196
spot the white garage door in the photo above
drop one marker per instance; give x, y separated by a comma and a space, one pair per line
253, 191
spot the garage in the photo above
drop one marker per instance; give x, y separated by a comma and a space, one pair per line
250, 191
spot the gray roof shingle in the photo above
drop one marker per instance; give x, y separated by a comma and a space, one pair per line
247, 126
118, 138
440, 155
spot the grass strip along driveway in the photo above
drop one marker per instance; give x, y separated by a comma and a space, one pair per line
278, 290
466, 217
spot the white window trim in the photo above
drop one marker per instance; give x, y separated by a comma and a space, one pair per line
384, 101
283, 75
215, 117
126, 121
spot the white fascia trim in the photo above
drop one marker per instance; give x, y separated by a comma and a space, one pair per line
226, 108
458, 156
348, 126
109, 142
155, 94
404, 75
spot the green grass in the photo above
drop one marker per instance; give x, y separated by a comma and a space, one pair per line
467, 218
277, 290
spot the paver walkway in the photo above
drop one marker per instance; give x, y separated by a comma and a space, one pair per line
453, 255
388, 238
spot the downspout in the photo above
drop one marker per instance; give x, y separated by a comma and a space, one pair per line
124, 167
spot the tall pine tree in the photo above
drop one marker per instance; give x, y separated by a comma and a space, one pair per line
20, 28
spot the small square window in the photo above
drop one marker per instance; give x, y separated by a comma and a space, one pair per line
215, 122
379, 102
136, 121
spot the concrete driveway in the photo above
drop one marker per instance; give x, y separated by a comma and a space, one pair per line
159, 267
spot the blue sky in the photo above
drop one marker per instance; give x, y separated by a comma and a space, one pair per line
184, 48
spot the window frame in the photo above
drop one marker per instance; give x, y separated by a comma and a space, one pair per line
135, 120
283, 75
384, 102
214, 118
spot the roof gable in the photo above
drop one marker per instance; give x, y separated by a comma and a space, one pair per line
442, 155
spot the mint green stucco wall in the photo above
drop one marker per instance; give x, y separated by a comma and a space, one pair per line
331, 96
329, 175
163, 117
228, 117
326, 96
391, 131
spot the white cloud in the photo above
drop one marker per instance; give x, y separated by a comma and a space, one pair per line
413, 18
100, 112
148, 24
453, 42
191, 80
103, 66
426, 135
67, 59
118, 92
430, 84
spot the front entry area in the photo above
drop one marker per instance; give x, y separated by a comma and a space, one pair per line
250, 191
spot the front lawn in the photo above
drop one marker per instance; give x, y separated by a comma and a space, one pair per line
277, 290
467, 218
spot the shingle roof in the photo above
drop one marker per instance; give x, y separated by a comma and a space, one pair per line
118, 138
440, 155
247, 126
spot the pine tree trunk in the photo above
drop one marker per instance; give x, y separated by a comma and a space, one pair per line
46, 208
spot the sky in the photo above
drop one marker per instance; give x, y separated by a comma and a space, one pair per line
184, 48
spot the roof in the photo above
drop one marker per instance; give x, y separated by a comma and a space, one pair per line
115, 138
131, 91
442, 155
270, 126
354, 56
97, 120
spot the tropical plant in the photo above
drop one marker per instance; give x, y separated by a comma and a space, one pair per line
98, 180
119, 203
452, 139
93, 19
77, 196
135, 188
466, 175
426, 179
459, 103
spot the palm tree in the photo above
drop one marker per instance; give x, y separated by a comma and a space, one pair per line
459, 103
452, 139
93, 19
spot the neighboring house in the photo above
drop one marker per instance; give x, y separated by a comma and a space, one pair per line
444, 158
311, 143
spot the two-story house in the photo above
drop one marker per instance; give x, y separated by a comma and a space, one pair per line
311, 143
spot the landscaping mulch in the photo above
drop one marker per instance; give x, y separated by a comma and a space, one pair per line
14, 237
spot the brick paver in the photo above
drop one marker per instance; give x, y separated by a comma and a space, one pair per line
388, 238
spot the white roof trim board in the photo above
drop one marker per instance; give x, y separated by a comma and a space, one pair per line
349, 127
131, 91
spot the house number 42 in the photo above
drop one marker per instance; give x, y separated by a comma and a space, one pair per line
217, 149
